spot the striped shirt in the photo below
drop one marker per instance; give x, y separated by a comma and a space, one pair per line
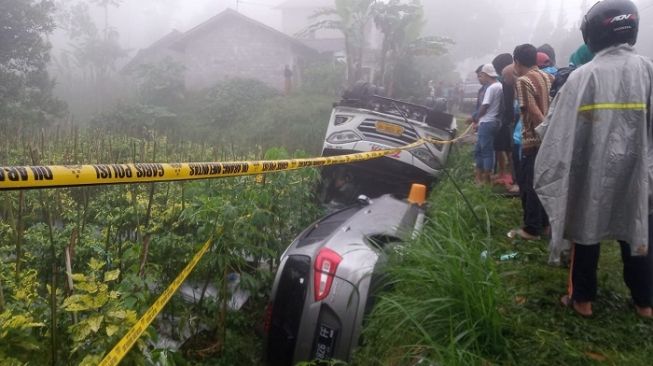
532, 92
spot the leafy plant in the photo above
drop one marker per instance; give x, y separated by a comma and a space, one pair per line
20, 325
103, 318
141, 236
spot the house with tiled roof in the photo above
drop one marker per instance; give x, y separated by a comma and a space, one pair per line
156, 52
230, 45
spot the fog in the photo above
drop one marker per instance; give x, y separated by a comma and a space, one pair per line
142, 22
194, 113
478, 31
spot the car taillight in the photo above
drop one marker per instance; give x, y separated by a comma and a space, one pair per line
326, 264
267, 318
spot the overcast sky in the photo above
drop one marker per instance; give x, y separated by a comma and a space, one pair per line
142, 22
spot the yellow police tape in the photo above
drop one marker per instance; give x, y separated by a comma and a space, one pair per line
124, 173
125, 344
54, 176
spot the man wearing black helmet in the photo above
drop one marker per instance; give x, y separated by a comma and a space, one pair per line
594, 170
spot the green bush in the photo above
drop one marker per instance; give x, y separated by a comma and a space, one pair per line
232, 102
297, 122
324, 79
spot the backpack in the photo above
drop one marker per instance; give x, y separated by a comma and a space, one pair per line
560, 79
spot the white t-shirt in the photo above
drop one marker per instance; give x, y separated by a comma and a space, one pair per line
492, 98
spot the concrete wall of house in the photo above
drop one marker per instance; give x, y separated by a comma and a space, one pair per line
237, 49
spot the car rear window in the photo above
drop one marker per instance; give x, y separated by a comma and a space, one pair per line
324, 228
380, 241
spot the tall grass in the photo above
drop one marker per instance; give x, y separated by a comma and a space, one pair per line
445, 302
448, 304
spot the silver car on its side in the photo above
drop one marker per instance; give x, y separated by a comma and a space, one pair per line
325, 283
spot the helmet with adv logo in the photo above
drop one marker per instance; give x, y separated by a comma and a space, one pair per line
609, 23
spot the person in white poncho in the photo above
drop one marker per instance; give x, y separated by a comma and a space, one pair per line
594, 169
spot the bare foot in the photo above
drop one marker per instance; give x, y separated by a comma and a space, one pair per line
522, 234
646, 313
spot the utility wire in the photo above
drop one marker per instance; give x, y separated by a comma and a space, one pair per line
469, 205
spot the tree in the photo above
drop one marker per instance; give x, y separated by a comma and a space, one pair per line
474, 25
401, 23
99, 55
396, 19
545, 27
162, 83
351, 17
105, 4
25, 85
566, 39
89, 61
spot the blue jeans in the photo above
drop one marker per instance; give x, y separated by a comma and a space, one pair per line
484, 153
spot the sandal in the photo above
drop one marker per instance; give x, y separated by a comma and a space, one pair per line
514, 189
583, 309
521, 234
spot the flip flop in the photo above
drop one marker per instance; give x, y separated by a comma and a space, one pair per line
513, 189
567, 302
521, 234
644, 313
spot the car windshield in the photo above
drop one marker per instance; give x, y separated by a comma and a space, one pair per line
381, 241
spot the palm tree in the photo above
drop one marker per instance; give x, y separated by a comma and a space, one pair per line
401, 23
105, 4
351, 17
394, 19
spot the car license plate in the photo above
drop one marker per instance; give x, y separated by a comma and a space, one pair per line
389, 128
326, 338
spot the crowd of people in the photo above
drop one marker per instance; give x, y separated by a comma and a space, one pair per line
576, 144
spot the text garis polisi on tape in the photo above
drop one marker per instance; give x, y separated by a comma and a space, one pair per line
33, 177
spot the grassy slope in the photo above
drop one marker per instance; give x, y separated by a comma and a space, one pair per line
450, 306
